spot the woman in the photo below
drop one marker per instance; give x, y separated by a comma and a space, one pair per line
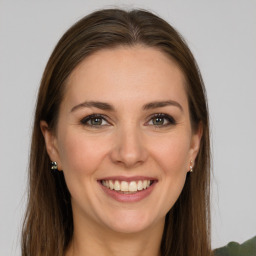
120, 158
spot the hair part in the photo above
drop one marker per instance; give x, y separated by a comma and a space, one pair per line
48, 224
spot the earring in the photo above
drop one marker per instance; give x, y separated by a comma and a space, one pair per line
54, 166
191, 166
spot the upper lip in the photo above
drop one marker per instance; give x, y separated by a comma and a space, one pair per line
128, 179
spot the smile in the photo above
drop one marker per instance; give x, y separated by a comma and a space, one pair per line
127, 187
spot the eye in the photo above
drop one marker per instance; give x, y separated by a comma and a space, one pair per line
95, 120
159, 120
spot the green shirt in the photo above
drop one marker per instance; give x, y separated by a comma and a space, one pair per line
248, 248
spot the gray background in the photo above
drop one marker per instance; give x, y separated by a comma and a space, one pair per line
222, 36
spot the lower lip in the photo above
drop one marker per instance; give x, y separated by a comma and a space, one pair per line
135, 197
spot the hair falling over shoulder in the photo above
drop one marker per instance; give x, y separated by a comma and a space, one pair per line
48, 223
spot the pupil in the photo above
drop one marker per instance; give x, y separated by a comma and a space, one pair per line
158, 121
96, 121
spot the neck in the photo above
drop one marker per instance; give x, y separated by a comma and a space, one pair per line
94, 240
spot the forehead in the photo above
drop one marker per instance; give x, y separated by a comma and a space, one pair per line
125, 72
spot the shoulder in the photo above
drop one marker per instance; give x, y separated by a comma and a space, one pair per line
248, 248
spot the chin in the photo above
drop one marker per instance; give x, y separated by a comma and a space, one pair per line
131, 221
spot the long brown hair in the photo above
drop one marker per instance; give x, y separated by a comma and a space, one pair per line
48, 224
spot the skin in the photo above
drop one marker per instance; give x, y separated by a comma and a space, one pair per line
128, 142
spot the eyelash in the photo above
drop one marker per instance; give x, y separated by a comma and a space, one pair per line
87, 119
170, 120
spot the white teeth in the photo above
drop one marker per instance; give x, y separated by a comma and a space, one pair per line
139, 185
111, 184
144, 184
117, 185
125, 186
133, 186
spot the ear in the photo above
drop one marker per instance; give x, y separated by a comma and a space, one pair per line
195, 144
50, 143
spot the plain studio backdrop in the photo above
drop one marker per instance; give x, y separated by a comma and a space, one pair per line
222, 36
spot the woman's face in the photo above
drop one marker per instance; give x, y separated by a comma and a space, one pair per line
124, 138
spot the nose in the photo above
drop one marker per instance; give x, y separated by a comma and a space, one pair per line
129, 149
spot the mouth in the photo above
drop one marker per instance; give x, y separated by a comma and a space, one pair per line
127, 187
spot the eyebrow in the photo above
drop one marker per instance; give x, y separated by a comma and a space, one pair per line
160, 104
95, 104
107, 106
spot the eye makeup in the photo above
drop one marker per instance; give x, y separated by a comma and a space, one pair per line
95, 120
158, 120
161, 120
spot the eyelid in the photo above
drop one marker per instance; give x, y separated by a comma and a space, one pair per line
171, 120
86, 119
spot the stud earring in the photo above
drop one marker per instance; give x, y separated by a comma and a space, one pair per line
54, 166
191, 166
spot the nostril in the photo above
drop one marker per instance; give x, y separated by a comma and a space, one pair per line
129, 149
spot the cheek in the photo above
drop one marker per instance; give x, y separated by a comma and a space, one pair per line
172, 154
80, 155
171, 157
